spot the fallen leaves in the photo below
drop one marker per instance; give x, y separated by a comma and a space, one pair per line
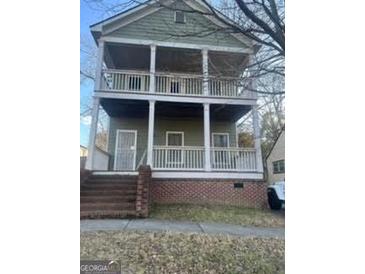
218, 214
167, 252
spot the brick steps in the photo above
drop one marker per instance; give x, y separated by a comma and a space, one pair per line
131, 192
109, 214
107, 206
108, 196
108, 186
108, 199
119, 178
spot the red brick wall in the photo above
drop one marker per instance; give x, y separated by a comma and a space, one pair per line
209, 191
143, 191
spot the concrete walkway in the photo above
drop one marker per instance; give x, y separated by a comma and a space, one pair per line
161, 225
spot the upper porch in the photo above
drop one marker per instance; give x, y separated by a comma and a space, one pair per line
132, 71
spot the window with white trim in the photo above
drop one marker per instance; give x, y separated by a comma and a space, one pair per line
174, 138
220, 140
279, 166
174, 155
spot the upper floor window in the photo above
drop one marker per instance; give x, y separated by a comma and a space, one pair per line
279, 166
179, 17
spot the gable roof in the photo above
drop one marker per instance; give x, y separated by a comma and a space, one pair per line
146, 8
272, 147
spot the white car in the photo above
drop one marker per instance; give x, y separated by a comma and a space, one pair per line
276, 195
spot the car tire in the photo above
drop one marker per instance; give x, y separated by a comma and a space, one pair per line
273, 199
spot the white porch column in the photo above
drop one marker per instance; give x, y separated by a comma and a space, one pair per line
152, 68
151, 129
205, 72
207, 166
99, 66
92, 136
256, 129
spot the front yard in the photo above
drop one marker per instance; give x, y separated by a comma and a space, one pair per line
219, 214
166, 252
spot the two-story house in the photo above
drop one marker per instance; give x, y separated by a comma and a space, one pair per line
171, 79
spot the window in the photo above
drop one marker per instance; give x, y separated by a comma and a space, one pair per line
221, 157
179, 17
220, 139
279, 166
174, 154
174, 138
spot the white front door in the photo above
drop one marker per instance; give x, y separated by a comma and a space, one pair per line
125, 150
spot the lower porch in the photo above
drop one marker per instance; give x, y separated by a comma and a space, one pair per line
178, 145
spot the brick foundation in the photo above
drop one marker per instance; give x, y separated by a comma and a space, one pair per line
209, 191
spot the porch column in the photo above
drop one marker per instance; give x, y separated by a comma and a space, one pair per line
99, 66
151, 129
256, 129
92, 136
152, 68
207, 137
205, 72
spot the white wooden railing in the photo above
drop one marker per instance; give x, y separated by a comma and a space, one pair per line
192, 158
173, 83
234, 159
169, 157
179, 84
229, 87
124, 80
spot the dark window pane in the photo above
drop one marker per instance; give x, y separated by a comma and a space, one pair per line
179, 17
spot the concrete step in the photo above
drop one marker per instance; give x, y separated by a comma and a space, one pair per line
103, 214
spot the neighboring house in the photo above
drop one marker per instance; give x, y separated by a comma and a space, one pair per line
83, 155
275, 160
173, 100
83, 151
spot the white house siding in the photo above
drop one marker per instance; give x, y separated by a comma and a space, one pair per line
277, 153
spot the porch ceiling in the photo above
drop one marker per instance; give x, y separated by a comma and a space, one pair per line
137, 57
131, 57
125, 108
139, 109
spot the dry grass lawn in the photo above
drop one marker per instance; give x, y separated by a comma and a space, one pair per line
219, 214
166, 252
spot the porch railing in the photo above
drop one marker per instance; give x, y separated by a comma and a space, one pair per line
233, 159
169, 157
179, 84
124, 80
229, 87
174, 84
192, 158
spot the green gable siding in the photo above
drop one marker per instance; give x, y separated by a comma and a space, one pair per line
193, 132
160, 26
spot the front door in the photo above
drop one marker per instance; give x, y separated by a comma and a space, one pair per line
125, 150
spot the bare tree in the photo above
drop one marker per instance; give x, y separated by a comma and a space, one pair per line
263, 21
